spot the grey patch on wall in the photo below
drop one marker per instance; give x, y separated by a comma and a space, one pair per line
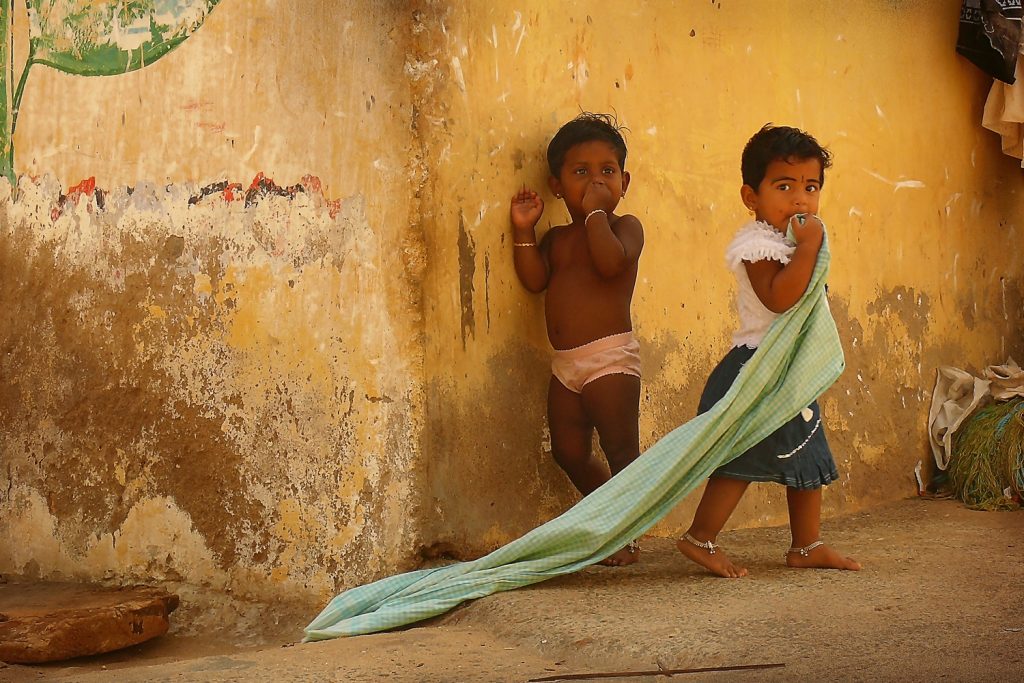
851, 331
491, 475
518, 159
983, 302
467, 269
663, 400
1011, 297
487, 289
909, 306
879, 397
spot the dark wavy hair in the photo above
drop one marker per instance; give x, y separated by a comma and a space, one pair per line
585, 128
774, 143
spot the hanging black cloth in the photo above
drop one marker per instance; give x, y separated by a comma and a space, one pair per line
990, 34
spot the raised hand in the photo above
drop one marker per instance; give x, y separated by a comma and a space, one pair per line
809, 230
526, 209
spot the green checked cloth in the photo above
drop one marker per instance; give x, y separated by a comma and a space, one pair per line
799, 358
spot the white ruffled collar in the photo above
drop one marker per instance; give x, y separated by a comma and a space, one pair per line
762, 227
758, 240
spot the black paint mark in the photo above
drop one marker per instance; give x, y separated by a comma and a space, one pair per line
264, 187
487, 289
467, 269
260, 188
208, 190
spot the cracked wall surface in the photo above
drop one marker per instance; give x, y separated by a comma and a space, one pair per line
276, 345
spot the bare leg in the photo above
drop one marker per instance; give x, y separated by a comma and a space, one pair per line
721, 496
805, 525
571, 431
612, 403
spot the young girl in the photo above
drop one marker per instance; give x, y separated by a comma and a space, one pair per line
783, 172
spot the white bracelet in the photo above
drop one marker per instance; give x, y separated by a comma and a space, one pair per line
592, 213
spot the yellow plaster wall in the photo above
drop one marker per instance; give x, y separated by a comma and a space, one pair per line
299, 395
921, 206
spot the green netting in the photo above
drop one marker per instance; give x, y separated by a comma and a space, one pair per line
987, 462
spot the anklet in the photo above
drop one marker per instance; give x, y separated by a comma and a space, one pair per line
806, 550
706, 545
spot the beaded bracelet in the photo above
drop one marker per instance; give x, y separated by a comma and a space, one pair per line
592, 213
524, 244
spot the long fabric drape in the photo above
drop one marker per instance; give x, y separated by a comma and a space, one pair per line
798, 359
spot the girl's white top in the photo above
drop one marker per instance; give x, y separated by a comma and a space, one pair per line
755, 241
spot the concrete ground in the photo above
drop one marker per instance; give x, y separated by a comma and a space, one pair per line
941, 597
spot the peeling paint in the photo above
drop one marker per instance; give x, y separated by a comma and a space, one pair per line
208, 370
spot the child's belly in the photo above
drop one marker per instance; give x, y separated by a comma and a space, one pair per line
580, 310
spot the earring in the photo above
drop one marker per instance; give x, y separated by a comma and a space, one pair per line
751, 212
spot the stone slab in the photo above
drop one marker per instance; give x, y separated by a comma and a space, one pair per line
48, 622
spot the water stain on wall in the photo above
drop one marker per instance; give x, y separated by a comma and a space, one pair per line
467, 269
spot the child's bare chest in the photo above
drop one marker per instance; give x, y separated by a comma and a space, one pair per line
570, 255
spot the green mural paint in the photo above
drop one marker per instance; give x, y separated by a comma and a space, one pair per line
90, 39
6, 139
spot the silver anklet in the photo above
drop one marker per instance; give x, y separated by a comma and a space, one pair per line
706, 545
806, 550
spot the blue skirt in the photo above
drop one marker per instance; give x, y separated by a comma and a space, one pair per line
796, 454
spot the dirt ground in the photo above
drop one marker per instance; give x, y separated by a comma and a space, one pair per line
941, 597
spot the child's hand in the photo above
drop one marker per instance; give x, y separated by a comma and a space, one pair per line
809, 231
526, 209
598, 196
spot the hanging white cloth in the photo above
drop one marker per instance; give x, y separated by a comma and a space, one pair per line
1004, 113
958, 394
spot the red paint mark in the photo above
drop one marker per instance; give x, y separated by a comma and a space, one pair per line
229, 191
259, 179
335, 206
312, 183
212, 127
87, 186
195, 105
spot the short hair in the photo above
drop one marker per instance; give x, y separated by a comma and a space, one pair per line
585, 128
774, 143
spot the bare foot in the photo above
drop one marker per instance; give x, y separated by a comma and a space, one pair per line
822, 557
623, 557
715, 562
